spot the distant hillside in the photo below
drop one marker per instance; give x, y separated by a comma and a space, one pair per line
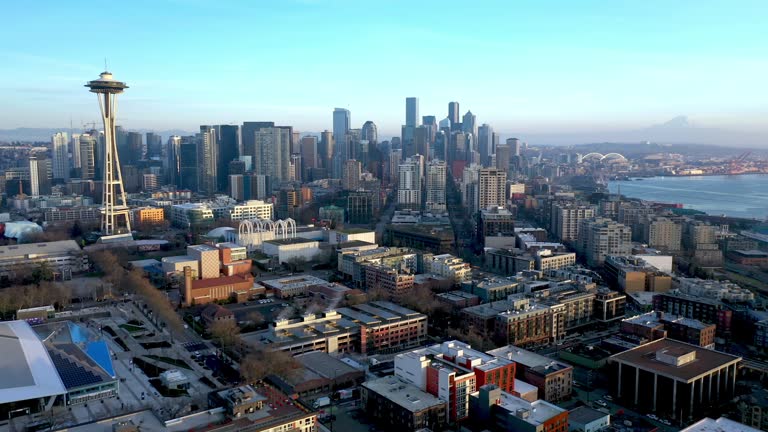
44, 134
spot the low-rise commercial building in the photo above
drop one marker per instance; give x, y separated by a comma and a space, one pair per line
673, 378
651, 326
554, 379
502, 411
292, 249
609, 305
494, 289
437, 239
64, 258
148, 215
633, 274
397, 405
586, 419
370, 328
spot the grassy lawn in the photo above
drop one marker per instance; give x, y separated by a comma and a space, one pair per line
171, 361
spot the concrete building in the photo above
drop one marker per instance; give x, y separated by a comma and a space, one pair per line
600, 237
633, 274
502, 411
371, 328
495, 221
436, 239
293, 286
291, 249
566, 220
435, 185
493, 289
202, 291
492, 188
722, 424
350, 179
447, 265
410, 175
452, 371
64, 258
704, 309
554, 379
672, 378
661, 232
251, 209
526, 323
609, 305
346, 235
387, 279
191, 214
398, 405
148, 215
238, 401
207, 257
654, 325
586, 419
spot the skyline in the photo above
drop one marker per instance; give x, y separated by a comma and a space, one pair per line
547, 74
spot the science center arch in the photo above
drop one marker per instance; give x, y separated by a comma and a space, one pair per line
252, 233
599, 157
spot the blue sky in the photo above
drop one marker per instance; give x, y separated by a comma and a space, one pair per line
522, 66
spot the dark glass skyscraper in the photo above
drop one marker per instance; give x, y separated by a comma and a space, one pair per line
453, 112
228, 150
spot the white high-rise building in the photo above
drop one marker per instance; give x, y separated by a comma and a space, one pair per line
59, 150
409, 186
566, 217
492, 188
436, 175
271, 157
74, 149
599, 237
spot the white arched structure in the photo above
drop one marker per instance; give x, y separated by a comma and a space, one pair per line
613, 156
252, 233
599, 157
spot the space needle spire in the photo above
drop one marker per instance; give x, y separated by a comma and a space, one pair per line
115, 221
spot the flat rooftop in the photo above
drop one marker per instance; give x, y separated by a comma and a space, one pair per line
32, 249
526, 358
720, 425
584, 414
402, 393
28, 371
644, 357
538, 412
290, 241
178, 259
202, 248
324, 365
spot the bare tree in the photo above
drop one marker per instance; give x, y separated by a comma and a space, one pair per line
256, 318
226, 332
261, 363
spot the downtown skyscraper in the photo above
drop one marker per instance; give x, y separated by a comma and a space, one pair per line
59, 151
341, 126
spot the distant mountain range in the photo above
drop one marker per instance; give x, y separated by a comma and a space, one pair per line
678, 130
44, 134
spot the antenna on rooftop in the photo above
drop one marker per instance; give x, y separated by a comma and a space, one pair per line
105, 64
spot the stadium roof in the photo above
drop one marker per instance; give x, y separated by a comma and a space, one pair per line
28, 371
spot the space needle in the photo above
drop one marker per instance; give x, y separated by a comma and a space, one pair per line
115, 221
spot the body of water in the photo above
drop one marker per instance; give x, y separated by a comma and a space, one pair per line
743, 196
